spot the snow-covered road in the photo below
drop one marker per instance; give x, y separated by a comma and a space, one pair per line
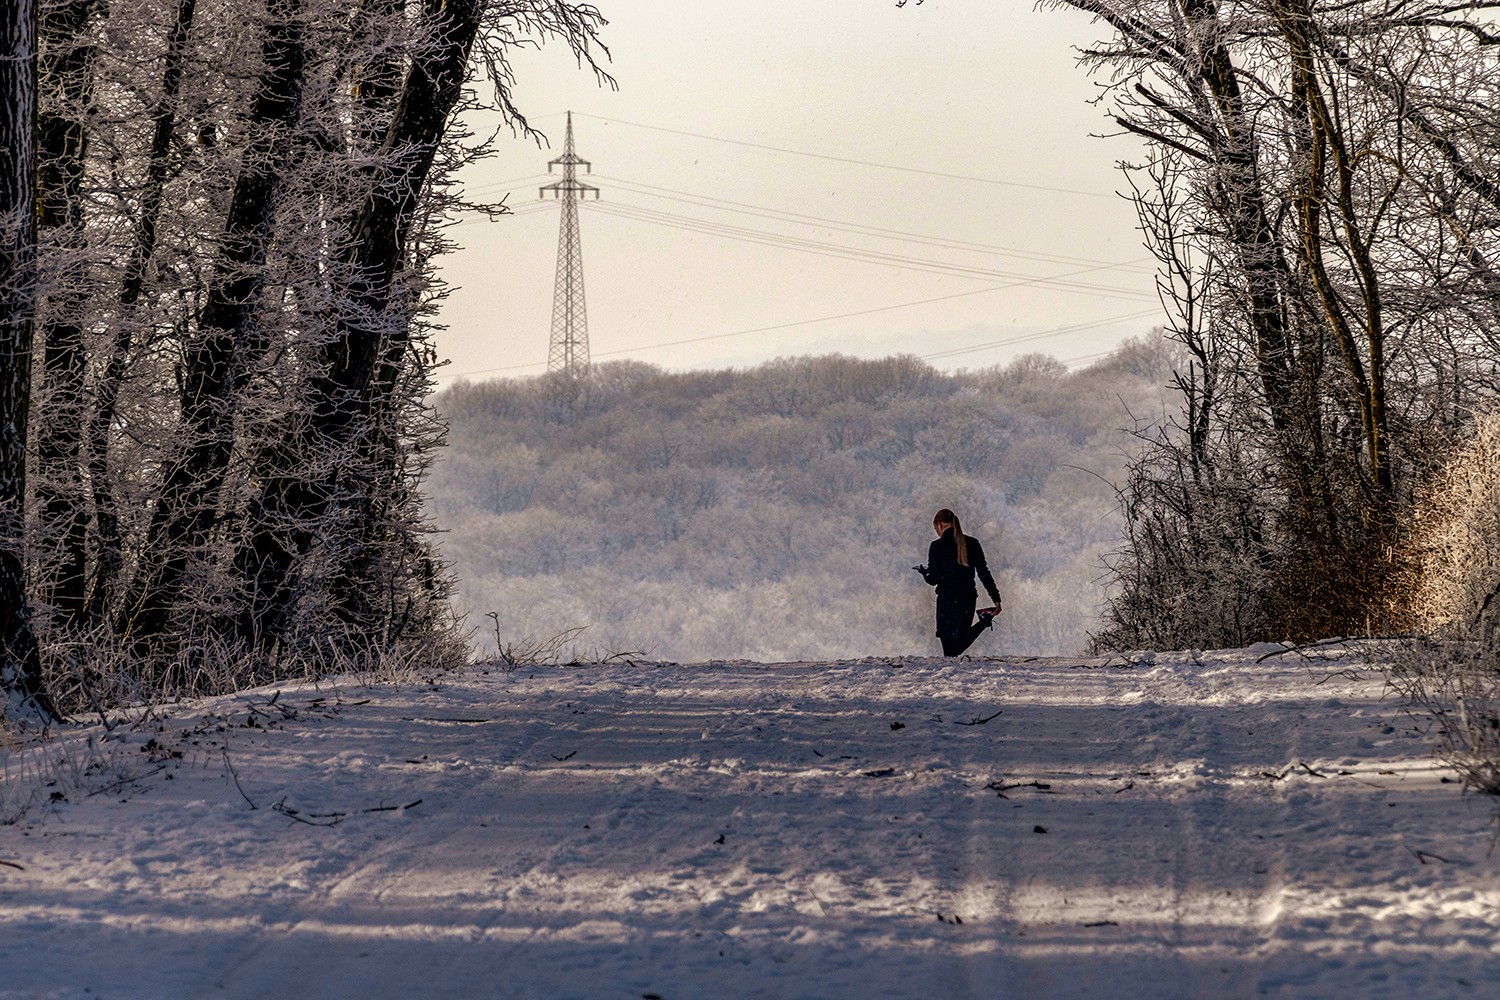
1181, 826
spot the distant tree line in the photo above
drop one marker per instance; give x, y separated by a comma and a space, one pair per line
776, 512
218, 224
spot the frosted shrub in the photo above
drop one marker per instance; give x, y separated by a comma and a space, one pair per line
1457, 683
1457, 540
1455, 674
1190, 572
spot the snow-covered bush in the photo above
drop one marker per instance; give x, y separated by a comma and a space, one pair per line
1192, 572
1453, 673
1456, 541
1456, 683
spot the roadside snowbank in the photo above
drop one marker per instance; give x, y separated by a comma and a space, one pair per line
1210, 825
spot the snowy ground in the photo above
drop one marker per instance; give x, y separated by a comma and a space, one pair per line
1183, 826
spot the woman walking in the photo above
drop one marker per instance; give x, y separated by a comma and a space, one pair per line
953, 560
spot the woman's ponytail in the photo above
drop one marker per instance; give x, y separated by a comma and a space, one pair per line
960, 543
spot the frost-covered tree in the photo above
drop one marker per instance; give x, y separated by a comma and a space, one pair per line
240, 210
1319, 187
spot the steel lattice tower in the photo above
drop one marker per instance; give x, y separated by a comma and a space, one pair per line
569, 352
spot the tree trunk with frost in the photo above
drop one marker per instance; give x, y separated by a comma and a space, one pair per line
66, 85
20, 666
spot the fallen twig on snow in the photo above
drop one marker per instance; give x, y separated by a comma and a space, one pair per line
1338, 640
1000, 789
283, 713
465, 722
129, 779
1422, 856
979, 721
1278, 775
291, 813
333, 818
235, 775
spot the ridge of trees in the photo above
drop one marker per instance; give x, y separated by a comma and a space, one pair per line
774, 513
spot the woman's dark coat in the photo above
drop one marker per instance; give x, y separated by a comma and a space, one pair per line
956, 594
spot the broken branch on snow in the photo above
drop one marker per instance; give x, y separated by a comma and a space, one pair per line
333, 818
979, 721
1000, 789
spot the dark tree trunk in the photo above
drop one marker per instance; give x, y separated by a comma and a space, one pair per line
226, 338
1364, 361
20, 660
377, 82
66, 84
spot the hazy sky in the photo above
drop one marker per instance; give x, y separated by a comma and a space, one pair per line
809, 176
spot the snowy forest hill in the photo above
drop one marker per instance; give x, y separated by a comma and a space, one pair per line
775, 513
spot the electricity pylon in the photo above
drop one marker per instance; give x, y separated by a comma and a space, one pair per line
569, 352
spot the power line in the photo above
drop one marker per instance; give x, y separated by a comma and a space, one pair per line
835, 250
852, 160
519, 212
1070, 362
1025, 337
705, 201
783, 215
844, 252
766, 237
514, 184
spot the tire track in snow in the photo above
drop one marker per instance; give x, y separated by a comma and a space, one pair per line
568, 842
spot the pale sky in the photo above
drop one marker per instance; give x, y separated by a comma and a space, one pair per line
796, 177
